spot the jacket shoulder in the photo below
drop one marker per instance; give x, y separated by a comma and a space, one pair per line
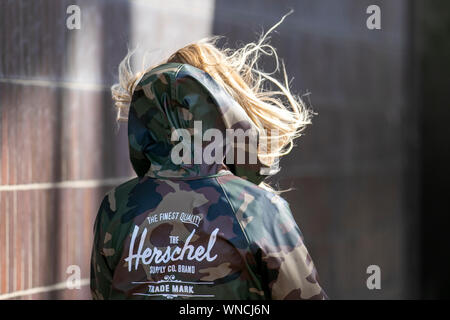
115, 197
264, 215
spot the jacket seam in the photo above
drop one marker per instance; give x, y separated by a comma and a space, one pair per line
174, 89
217, 175
234, 213
243, 231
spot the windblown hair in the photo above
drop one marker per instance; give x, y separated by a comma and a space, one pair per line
279, 115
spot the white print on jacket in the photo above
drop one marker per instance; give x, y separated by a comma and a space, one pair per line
157, 256
161, 260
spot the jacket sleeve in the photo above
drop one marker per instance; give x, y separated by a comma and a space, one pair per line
101, 274
287, 267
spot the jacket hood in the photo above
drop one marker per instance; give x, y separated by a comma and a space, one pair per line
179, 110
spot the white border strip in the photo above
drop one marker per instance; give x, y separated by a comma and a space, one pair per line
55, 84
54, 287
65, 184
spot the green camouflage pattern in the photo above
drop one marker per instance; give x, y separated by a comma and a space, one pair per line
194, 231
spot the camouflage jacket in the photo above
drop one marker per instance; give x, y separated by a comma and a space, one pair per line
194, 231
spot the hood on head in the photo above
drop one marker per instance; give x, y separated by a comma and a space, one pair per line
173, 97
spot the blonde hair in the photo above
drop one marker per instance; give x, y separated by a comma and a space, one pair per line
271, 110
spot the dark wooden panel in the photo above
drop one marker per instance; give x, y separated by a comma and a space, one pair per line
348, 171
48, 230
61, 133
39, 45
57, 125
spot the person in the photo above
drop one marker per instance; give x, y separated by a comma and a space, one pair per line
199, 221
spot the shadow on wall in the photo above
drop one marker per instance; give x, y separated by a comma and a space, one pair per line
432, 55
